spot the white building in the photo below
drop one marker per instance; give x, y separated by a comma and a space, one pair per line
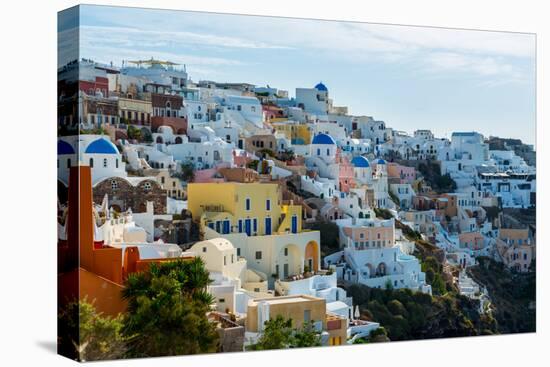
372, 257
97, 151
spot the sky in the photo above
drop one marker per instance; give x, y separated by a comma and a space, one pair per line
410, 77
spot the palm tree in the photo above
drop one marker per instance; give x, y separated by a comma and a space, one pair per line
167, 310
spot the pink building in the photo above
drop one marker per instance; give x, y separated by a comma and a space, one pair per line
210, 175
371, 237
472, 240
346, 177
404, 173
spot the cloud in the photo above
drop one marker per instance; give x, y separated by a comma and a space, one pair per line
190, 36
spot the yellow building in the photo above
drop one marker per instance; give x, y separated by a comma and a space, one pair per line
267, 232
251, 208
299, 308
135, 111
172, 185
298, 133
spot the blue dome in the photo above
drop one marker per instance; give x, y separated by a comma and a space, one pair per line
323, 139
321, 87
360, 162
101, 146
64, 148
380, 161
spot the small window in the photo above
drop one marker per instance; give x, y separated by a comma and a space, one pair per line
247, 204
116, 163
257, 290
204, 249
147, 186
222, 300
238, 251
91, 163
258, 255
268, 204
286, 251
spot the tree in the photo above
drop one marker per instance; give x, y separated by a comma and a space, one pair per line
276, 335
306, 337
133, 133
167, 308
187, 171
279, 334
99, 337
286, 155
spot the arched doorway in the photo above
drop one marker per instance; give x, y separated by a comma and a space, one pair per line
312, 256
369, 270
381, 270
289, 262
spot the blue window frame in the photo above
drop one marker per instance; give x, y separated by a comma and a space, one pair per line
267, 225
219, 226
318, 151
268, 204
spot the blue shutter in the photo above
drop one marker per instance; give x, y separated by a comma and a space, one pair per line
294, 228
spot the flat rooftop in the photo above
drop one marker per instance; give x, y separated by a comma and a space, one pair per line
285, 299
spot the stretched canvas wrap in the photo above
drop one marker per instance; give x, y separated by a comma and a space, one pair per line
231, 183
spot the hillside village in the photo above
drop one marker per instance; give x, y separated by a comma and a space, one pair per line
297, 208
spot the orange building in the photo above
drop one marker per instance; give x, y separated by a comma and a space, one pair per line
85, 269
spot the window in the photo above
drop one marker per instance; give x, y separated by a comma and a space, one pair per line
162, 179
91, 163
69, 163
247, 204
257, 290
204, 249
258, 255
286, 251
232, 258
238, 251
222, 300
225, 260
147, 186
116, 163
239, 107
268, 204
